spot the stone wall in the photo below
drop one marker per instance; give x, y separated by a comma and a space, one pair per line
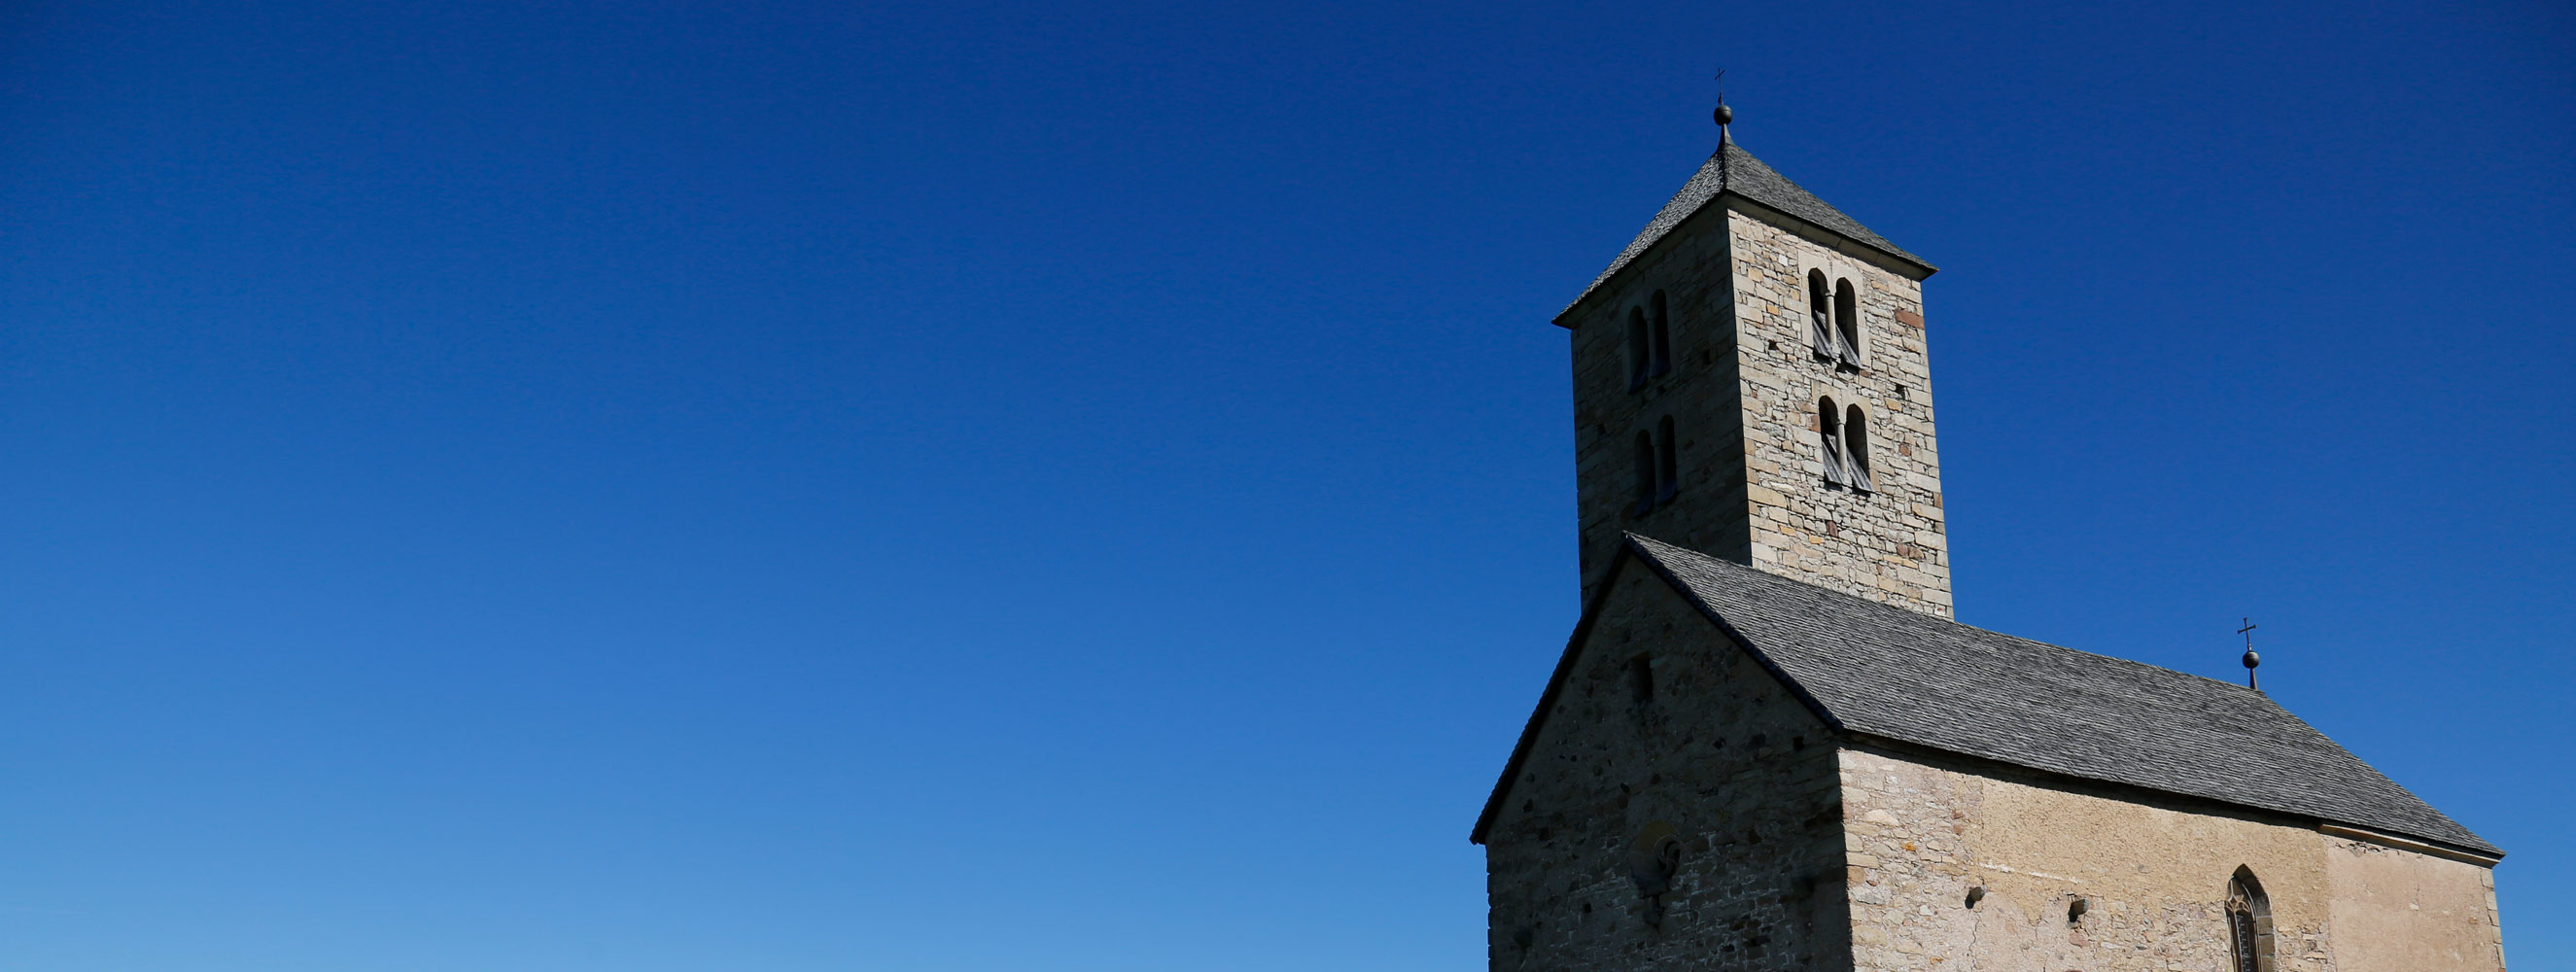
1742, 393
1887, 545
1718, 763
1920, 838
1700, 394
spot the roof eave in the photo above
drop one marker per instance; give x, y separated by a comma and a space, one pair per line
1916, 752
1546, 697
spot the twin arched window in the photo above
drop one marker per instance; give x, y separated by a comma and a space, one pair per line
1658, 467
1833, 311
1844, 436
1650, 341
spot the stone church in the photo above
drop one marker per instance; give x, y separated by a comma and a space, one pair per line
1767, 744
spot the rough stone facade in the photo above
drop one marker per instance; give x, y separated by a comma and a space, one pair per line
1692, 824
1702, 394
2152, 878
1743, 393
1888, 544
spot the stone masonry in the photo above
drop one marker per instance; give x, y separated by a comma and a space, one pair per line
1690, 825
1887, 545
1743, 394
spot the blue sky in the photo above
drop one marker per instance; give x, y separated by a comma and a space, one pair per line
985, 486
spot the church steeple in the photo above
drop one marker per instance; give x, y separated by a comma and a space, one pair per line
1750, 381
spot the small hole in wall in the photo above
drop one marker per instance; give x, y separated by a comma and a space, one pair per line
1976, 894
1775, 346
2075, 912
1900, 391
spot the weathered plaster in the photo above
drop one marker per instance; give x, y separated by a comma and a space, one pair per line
2153, 878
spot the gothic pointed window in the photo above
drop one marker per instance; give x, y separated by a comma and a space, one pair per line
1829, 432
2249, 924
1846, 327
1660, 322
1856, 450
1667, 467
1640, 357
1820, 315
1645, 473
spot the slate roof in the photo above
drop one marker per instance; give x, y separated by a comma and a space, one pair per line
1732, 169
1877, 670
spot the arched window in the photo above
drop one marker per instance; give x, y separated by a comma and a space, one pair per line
1856, 450
1639, 357
1668, 478
1645, 473
1663, 335
1847, 326
2249, 924
1820, 313
1829, 431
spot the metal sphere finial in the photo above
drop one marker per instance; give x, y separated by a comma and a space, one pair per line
1724, 113
2251, 659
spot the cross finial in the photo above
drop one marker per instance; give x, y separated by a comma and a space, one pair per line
2251, 659
1724, 114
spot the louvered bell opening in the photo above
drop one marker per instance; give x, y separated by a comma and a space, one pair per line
1830, 436
1856, 442
1667, 464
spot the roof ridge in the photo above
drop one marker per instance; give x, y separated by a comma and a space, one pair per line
1870, 605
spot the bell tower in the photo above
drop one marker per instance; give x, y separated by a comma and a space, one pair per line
1750, 381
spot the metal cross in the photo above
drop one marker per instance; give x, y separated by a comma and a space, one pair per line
2251, 659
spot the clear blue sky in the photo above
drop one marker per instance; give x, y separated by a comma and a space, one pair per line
977, 486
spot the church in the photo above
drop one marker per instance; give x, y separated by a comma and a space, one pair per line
1768, 745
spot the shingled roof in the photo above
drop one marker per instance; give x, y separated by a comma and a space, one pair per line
1732, 169
1874, 670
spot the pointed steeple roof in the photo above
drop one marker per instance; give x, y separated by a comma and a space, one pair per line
1731, 169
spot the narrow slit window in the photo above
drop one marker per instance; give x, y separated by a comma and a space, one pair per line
1846, 327
1667, 464
1829, 431
1856, 449
1645, 473
1662, 337
1639, 359
1641, 680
